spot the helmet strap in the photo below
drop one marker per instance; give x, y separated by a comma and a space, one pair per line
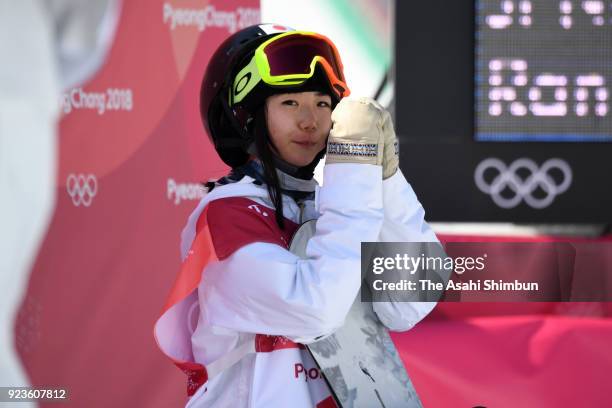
245, 136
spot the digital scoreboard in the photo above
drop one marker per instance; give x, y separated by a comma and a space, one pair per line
503, 108
543, 70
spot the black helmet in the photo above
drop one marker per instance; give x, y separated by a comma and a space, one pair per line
229, 126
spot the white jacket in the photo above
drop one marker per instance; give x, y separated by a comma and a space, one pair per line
262, 288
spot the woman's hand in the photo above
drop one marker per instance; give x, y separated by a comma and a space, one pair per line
356, 135
362, 132
391, 150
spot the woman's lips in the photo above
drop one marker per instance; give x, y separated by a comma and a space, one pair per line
304, 143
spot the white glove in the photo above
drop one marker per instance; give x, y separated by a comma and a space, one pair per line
362, 130
391, 150
356, 135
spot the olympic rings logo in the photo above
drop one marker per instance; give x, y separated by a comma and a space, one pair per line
82, 188
523, 189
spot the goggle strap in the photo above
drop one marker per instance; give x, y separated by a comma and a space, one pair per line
245, 81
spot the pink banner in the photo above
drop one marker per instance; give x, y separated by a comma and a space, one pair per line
511, 354
132, 155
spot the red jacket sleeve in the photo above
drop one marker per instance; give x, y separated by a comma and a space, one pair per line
237, 221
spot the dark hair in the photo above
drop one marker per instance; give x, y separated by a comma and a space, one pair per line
266, 156
263, 150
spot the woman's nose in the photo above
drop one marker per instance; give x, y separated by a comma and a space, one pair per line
307, 119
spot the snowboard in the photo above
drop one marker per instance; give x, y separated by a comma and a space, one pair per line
359, 361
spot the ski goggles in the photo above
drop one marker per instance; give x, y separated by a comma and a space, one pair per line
290, 59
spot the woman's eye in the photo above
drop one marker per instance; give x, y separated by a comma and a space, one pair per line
290, 102
324, 104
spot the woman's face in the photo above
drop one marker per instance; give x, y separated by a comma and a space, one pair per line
299, 124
